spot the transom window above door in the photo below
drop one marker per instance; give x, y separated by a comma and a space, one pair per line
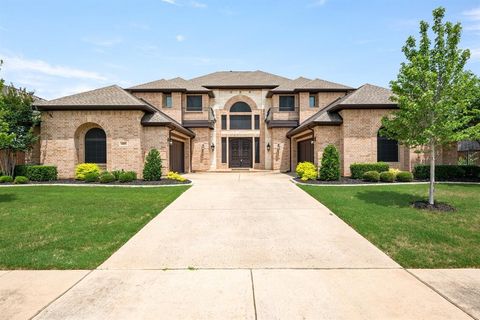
240, 121
287, 103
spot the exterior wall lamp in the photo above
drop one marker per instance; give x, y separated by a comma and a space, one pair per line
268, 147
170, 141
212, 147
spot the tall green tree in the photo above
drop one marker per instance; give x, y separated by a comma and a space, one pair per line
17, 120
434, 92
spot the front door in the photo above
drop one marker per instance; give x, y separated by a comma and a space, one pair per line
240, 152
305, 150
177, 156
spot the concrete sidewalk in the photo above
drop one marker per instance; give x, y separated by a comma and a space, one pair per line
247, 246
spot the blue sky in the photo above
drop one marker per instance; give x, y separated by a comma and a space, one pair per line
63, 47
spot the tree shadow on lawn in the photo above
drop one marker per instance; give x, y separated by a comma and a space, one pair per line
388, 198
7, 197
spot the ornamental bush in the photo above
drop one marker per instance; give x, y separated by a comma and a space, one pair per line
404, 176
371, 176
6, 179
117, 173
83, 168
306, 171
41, 173
20, 180
447, 172
175, 176
127, 176
387, 176
330, 168
358, 169
152, 171
21, 170
91, 177
106, 177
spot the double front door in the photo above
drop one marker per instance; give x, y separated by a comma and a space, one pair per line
240, 152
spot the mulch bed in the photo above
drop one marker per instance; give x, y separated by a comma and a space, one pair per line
438, 206
133, 183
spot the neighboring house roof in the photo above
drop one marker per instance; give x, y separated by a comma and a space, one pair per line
250, 79
464, 146
367, 96
111, 97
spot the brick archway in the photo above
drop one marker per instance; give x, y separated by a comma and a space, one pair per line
79, 137
240, 98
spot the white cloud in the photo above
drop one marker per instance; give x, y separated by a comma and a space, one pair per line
197, 4
475, 53
180, 38
103, 42
14, 63
473, 14
174, 2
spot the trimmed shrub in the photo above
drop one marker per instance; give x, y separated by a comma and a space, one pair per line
21, 170
41, 173
106, 177
6, 179
387, 176
175, 176
306, 171
371, 176
128, 176
330, 168
358, 169
152, 171
91, 177
83, 168
394, 171
404, 176
117, 173
447, 172
20, 180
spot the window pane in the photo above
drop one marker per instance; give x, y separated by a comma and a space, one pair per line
168, 100
241, 122
194, 103
224, 122
313, 102
287, 103
257, 150
257, 122
95, 146
240, 107
224, 150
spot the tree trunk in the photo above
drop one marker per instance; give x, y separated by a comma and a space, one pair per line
431, 193
7, 161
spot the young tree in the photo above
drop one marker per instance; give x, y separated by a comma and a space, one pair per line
17, 120
330, 168
433, 91
152, 171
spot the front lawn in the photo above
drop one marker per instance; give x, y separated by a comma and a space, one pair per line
55, 227
414, 238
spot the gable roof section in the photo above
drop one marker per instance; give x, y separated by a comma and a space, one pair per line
107, 98
175, 84
366, 97
237, 79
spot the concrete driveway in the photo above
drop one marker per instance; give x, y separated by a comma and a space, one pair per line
250, 246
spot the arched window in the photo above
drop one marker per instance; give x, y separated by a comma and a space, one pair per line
240, 107
95, 146
387, 149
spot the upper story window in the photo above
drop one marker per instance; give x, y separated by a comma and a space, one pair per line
168, 100
387, 149
287, 103
194, 103
240, 107
312, 101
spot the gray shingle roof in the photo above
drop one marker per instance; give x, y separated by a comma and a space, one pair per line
158, 118
111, 97
291, 85
367, 96
464, 146
319, 84
240, 79
161, 84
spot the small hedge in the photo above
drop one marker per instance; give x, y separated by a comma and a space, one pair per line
175, 176
447, 172
106, 177
371, 176
41, 173
358, 169
306, 171
117, 173
6, 179
83, 168
20, 180
404, 176
330, 167
21, 170
91, 177
127, 176
387, 176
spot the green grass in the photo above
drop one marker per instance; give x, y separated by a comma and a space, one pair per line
414, 238
50, 227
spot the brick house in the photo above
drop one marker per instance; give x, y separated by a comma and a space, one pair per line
220, 121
